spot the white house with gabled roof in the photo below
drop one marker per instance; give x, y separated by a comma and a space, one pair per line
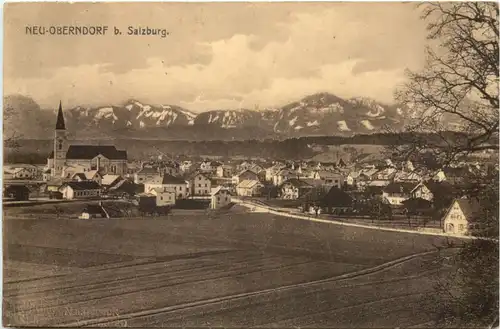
220, 197
460, 217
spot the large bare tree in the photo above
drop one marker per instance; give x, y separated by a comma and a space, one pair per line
458, 91
458, 87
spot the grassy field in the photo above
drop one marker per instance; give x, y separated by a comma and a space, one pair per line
231, 269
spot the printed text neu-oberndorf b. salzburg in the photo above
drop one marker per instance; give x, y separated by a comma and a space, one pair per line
94, 30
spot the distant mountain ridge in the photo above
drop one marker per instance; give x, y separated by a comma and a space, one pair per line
314, 115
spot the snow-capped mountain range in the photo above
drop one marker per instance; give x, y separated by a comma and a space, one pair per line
318, 114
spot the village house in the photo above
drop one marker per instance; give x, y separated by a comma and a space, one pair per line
70, 171
219, 198
53, 184
403, 176
439, 176
244, 175
283, 175
92, 175
165, 181
408, 166
224, 171
201, 184
294, 188
17, 173
456, 175
256, 168
170, 168
245, 165
329, 178
109, 180
395, 193
271, 171
133, 167
80, 190
421, 191
367, 174
214, 165
249, 188
145, 174
209, 166
185, 165
122, 188
164, 196
341, 164
385, 174
374, 183
460, 217
352, 178
46, 175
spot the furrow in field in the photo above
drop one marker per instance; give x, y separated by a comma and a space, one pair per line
151, 267
238, 296
146, 283
263, 310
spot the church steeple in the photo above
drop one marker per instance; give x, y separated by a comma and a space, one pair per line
60, 144
60, 119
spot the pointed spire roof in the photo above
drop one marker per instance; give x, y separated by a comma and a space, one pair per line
60, 118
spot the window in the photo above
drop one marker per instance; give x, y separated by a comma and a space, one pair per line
199, 185
205, 185
461, 227
206, 191
161, 198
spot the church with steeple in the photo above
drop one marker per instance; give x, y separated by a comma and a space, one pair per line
66, 160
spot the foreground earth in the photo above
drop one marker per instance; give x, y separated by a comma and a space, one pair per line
225, 269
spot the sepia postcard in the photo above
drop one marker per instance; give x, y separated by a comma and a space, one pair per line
237, 165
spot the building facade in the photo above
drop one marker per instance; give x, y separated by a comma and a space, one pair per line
459, 219
201, 184
220, 197
168, 182
80, 190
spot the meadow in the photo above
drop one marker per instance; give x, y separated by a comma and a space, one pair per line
230, 268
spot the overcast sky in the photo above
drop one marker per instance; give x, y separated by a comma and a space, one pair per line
216, 56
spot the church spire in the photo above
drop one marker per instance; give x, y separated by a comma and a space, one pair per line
60, 119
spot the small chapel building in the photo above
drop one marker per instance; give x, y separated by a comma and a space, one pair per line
106, 159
